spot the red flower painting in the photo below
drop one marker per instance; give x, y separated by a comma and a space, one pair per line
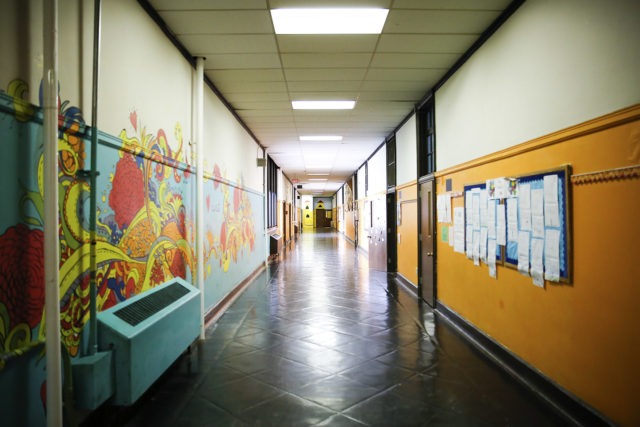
127, 195
22, 274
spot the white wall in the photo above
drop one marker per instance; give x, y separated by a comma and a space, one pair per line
229, 145
361, 183
132, 45
378, 172
406, 152
553, 64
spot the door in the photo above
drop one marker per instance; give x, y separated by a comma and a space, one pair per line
378, 235
427, 251
392, 236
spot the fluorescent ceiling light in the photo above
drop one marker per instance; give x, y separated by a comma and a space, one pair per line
323, 105
318, 174
317, 179
329, 21
321, 138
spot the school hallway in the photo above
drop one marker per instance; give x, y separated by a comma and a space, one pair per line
320, 339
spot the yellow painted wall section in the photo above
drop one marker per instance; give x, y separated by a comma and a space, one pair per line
363, 241
407, 198
349, 225
583, 336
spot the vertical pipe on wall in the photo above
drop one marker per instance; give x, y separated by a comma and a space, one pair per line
51, 245
93, 330
199, 129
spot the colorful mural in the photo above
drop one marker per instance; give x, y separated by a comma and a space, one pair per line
145, 222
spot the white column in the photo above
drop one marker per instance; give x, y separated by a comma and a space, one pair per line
199, 136
51, 244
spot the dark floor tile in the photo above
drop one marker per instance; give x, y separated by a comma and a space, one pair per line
290, 375
237, 396
286, 410
202, 413
340, 421
377, 374
252, 362
337, 392
388, 409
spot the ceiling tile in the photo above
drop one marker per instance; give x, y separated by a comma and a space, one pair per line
415, 60
325, 74
320, 86
325, 60
265, 75
327, 43
207, 4
242, 61
405, 74
199, 44
438, 21
235, 98
218, 22
425, 43
247, 87
452, 4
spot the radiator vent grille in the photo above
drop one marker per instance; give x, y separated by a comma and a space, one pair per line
146, 307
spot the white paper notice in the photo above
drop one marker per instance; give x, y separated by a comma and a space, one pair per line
537, 246
475, 209
491, 257
523, 251
551, 209
537, 213
491, 219
469, 240
483, 208
524, 207
512, 219
483, 244
444, 208
458, 230
552, 255
468, 206
476, 248
501, 225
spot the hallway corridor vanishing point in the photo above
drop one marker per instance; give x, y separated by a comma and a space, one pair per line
320, 339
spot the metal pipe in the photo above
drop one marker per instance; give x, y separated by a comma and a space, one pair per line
199, 128
51, 244
93, 321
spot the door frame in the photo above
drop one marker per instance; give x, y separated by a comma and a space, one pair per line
392, 232
428, 180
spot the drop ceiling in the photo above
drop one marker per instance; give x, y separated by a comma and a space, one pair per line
259, 73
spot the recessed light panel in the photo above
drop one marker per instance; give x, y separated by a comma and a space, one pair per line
321, 138
329, 21
323, 105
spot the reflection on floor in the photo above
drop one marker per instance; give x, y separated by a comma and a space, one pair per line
322, 340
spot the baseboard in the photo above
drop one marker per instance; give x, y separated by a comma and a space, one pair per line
405, 284
570, 407
218, 310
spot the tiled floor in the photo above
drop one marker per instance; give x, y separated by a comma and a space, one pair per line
322, 340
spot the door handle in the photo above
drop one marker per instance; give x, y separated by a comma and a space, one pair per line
429, 253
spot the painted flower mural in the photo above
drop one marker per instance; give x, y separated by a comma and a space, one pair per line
145, 233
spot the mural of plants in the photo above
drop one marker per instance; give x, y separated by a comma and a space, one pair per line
145, 232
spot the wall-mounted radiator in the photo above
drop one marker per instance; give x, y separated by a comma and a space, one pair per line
147, 333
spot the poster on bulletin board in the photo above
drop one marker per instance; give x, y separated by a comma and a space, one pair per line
540, 235
523, 222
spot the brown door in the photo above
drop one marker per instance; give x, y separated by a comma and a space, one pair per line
427, 251
378, 235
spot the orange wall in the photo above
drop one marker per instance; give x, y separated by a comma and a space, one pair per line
349, 230
407, 198
584, 336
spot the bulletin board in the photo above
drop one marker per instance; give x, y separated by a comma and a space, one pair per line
492, 205
536, 181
